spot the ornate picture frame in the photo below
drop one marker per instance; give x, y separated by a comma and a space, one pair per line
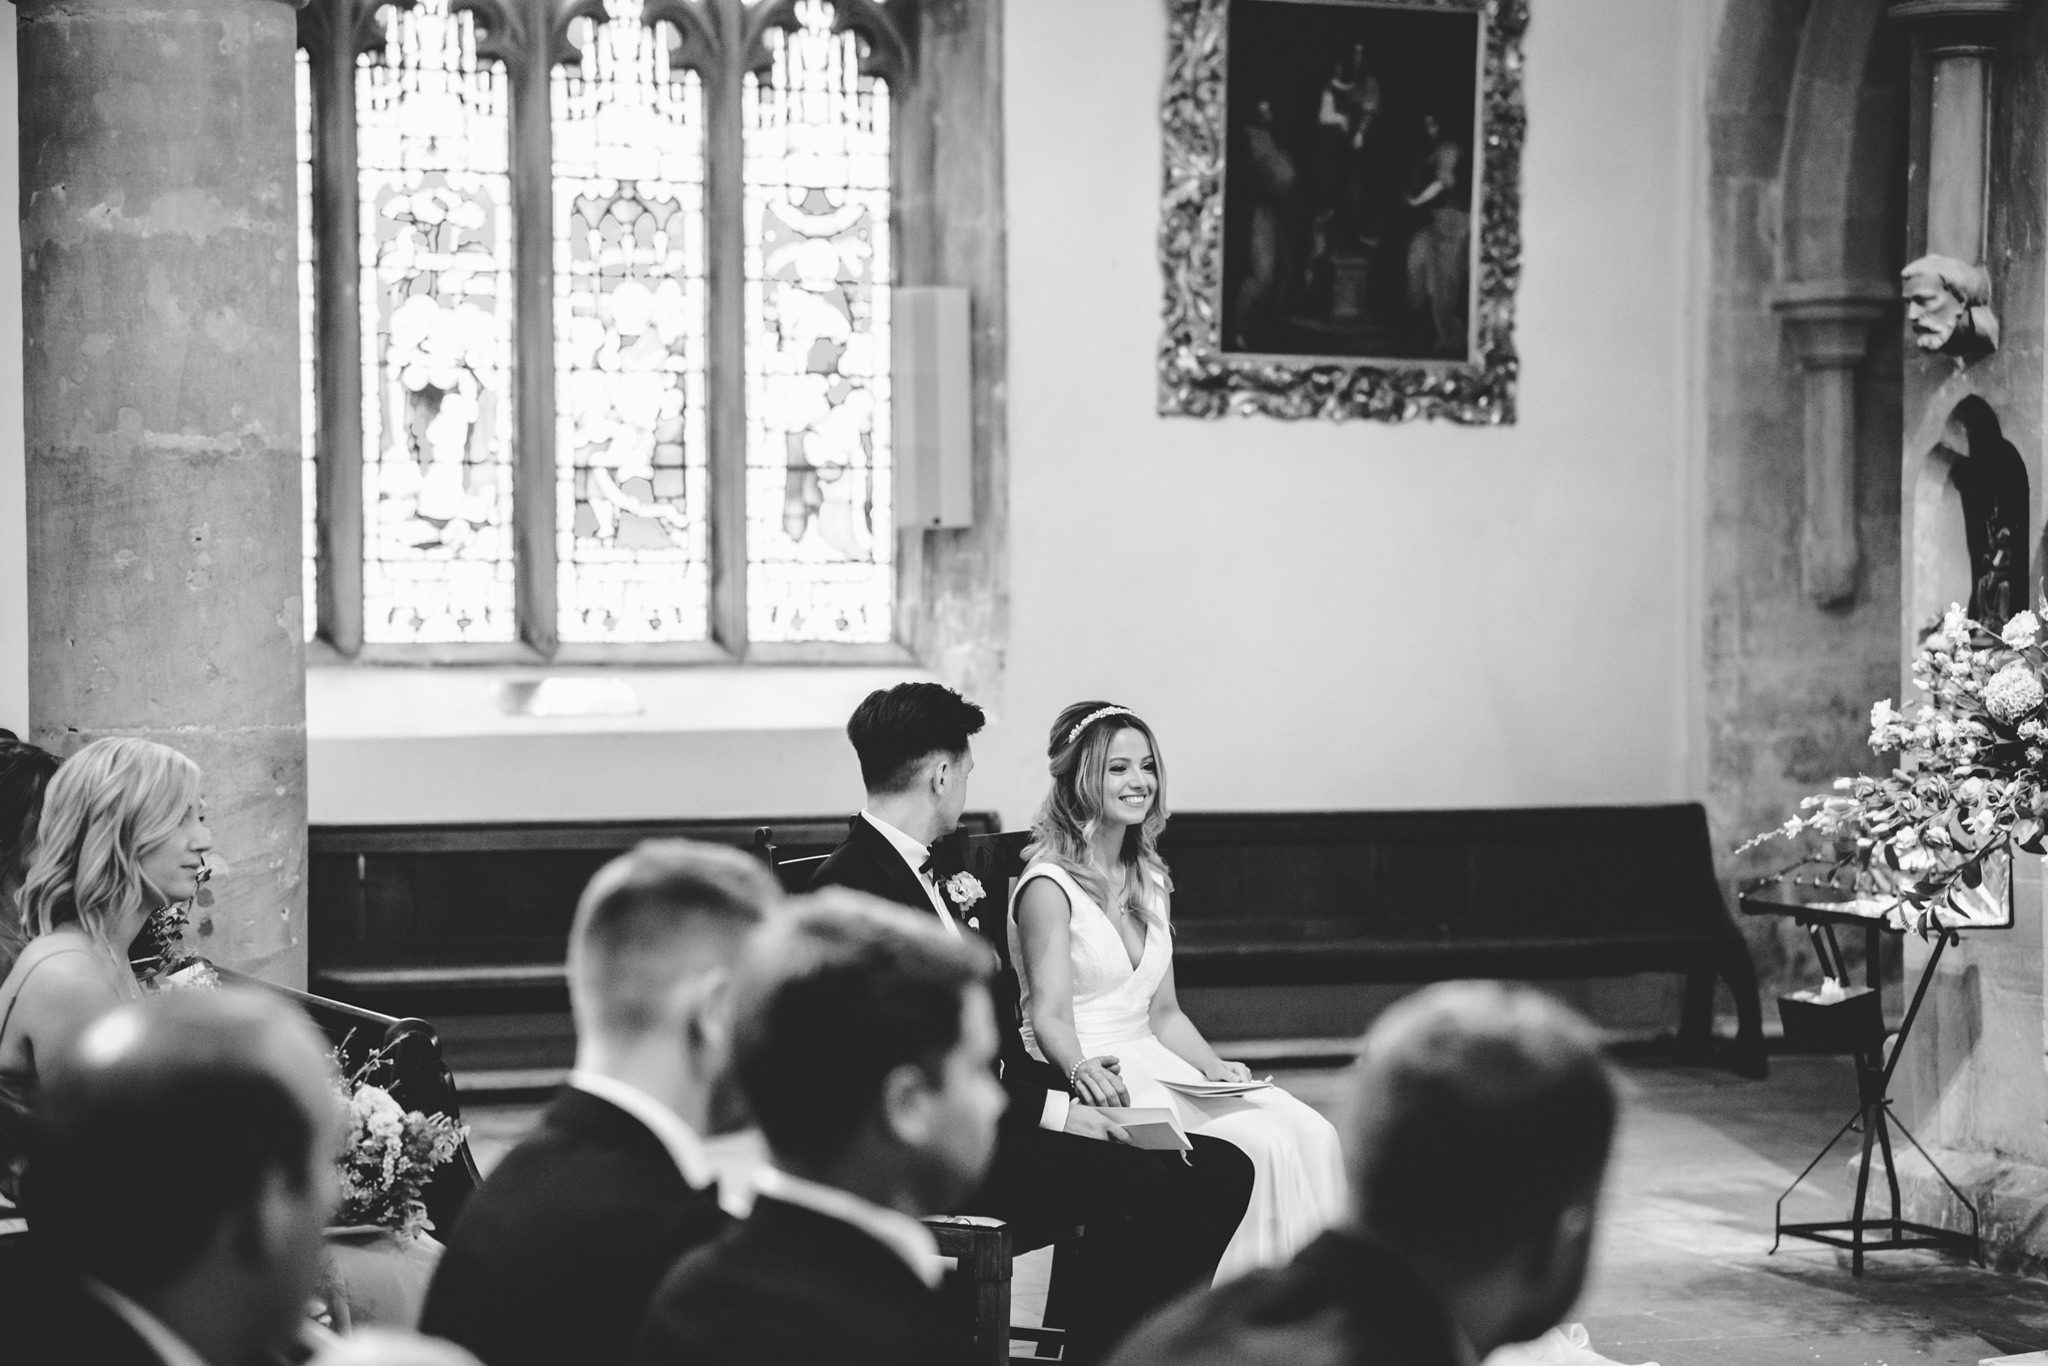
1330, 246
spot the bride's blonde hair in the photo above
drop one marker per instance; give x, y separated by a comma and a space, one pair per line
1078, 757
109, 804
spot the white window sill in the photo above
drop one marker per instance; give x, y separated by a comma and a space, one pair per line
430, 745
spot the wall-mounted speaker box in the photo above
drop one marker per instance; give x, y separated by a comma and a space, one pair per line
932, 378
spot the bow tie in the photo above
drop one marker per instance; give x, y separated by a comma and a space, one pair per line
928, 867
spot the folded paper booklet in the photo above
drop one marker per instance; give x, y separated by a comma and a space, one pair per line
1217, 1088
1149, 1127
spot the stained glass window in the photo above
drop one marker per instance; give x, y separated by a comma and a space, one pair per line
819, 530
433, 139
630, 461
707, 303
309, 397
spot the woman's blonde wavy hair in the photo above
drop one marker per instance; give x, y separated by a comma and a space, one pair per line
1073, 808
108, 805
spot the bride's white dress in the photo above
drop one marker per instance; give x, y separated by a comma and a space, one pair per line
1299, 1184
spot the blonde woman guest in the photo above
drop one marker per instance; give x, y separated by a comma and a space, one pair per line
1090, 933
123, 835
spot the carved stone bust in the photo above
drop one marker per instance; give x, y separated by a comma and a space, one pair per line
1948, 304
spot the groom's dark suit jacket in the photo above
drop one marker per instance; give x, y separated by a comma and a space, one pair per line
867, 862
1156, 1225
793, 1286
558, 1252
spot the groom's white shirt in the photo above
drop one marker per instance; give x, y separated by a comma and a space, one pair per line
913, 855
1057, 1103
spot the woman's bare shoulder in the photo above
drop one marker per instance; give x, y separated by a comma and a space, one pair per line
1040, 893
63, 963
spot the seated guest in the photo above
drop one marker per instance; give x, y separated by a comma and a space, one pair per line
1479, 1125
865, 1047
556, 1254
179, 1185
25, 771
1155, 1225
122, 836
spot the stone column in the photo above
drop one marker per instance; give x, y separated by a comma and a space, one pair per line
160, 373
1958, 38
1829, 324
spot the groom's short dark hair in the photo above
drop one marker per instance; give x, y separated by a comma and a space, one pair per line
831, 998
894, 730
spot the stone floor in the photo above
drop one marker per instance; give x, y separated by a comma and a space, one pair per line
1685, 1272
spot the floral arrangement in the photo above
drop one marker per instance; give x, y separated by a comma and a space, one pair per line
1971, 779
389, 1154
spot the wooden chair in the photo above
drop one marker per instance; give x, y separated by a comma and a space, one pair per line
983, 1248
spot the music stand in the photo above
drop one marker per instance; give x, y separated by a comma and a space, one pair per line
1819, 899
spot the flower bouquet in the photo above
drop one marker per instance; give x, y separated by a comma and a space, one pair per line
1930, 839
389, 1155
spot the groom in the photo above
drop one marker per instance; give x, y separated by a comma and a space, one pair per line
1155, 1225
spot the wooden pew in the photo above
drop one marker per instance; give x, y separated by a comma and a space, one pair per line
1294, 898
451, 920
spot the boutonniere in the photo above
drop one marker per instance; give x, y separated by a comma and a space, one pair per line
963, 890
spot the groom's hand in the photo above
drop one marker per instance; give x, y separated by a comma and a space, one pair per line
1089, 1122
1096, 1082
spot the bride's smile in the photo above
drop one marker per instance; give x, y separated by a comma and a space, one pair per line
1129, 778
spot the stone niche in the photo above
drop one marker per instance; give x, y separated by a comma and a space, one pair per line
1969, 523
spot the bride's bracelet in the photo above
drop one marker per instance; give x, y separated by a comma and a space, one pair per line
1072, 1073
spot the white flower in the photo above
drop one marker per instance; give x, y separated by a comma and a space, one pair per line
2012, 693
1884, 714
1955, 624
2023, 630
963, 890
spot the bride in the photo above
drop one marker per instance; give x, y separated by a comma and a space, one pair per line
1090, 935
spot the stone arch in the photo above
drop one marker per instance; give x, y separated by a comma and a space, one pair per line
1752, 84
1841, 206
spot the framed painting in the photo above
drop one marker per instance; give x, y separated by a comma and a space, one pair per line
1340, 234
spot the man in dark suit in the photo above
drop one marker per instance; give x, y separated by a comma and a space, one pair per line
1481, 1119
1155, 1225
556, 1255
865, 1046
178, 1186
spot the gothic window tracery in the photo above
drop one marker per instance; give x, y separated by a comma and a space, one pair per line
596, 305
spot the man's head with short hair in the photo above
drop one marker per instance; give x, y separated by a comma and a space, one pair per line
865, 1043
650, 953
1480, 1121
185, 1156
912, 740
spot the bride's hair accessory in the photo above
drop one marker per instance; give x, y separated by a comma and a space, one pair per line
1092, 717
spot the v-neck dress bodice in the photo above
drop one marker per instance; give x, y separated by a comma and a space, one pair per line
1112, 998
1298, 1186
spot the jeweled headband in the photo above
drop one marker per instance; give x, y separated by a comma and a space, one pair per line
1092, 717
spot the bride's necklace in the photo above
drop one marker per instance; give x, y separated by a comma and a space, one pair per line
1119, 901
